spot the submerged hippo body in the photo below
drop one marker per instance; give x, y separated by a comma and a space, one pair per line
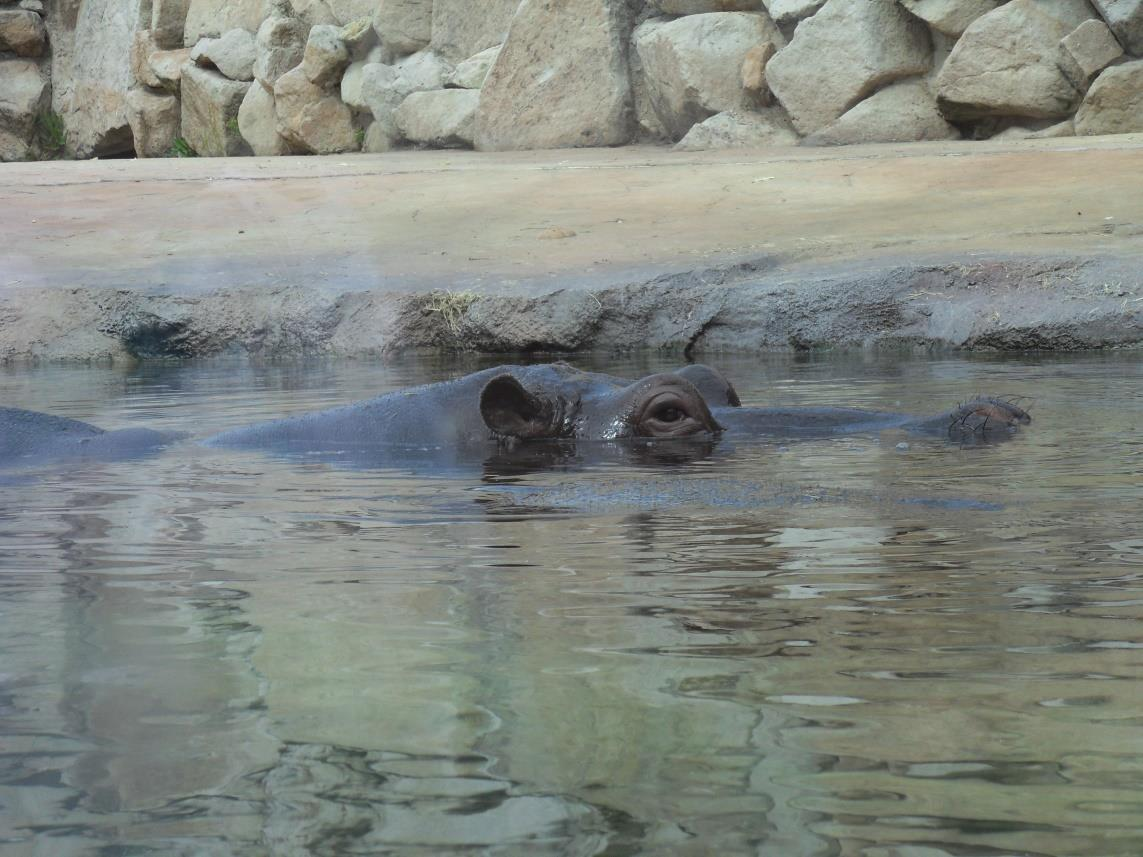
30, 437
508, 406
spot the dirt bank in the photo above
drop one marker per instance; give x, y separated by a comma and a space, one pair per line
963, 245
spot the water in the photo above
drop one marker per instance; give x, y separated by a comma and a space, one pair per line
833, 647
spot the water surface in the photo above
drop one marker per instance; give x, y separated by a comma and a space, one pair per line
839, 646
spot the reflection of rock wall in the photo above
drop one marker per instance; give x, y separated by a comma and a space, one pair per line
368, 75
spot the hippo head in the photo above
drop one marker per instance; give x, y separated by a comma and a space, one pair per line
586, 406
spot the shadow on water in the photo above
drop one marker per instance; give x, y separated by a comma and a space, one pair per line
220, 653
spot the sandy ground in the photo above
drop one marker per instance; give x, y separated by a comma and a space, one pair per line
526, 223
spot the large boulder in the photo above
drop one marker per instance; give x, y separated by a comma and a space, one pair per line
1005, 64
441, 118
740, 130
693, 65
168, 22
24, 95
210, 105
950, 17
787, 13
846, 51
382, 88
22, 32
463, 28
154, 119
353, 80
345, 11
311, 118
95, 106
142, 47
167, 67
212, 18
561, 78
233, 53
405, 26
326, 55
697, 7
904, 112
1114, 104
258, 123
279, 46
1086, 51
472, 72
1125, 17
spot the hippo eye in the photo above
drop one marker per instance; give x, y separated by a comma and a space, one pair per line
669, 414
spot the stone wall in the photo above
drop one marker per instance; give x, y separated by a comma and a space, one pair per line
84, 78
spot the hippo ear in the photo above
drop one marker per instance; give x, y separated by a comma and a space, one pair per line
511, 411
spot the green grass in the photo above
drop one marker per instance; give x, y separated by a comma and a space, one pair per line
181, 149
51, 135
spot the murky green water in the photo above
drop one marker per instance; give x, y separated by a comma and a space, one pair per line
831, 647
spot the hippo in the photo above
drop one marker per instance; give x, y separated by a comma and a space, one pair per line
507, 406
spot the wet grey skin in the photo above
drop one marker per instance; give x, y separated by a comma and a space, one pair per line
30, 437
506, 407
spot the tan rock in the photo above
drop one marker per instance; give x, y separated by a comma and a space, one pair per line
464, 28
1005, 64
1125, 17
950, 17
561, 79
233, 54
904, 112
258, 123
441, 118
472, 72
94, 90
24, 94
312, 119
142, 47
405, 26
279, 46
1114, 104
693, 65
846, 51
697, 7
168, 19
167, 67
22, 32
326, 55
1086, 51
154, 120
740, 130
210, 104
787, 13
754, 73
379, 137
212, 18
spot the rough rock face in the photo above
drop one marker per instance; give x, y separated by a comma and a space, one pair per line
279, 46
844, 52
950, 17
695, 7
463, 28
142, 47
96, 111
441, 118
168, 18
167, 67
258, 123
1125, 17
345, 11
326, 55
210, 105
740, 130
212, 18
22, 32
154, 121
561, 78
904, 112
233, 53
472, 72
693, 64
786, 13
1086, 51
404, 26
311, 118
24, 94
1005, 63
1114, 104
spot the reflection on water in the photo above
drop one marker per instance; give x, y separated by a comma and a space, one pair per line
835, 647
